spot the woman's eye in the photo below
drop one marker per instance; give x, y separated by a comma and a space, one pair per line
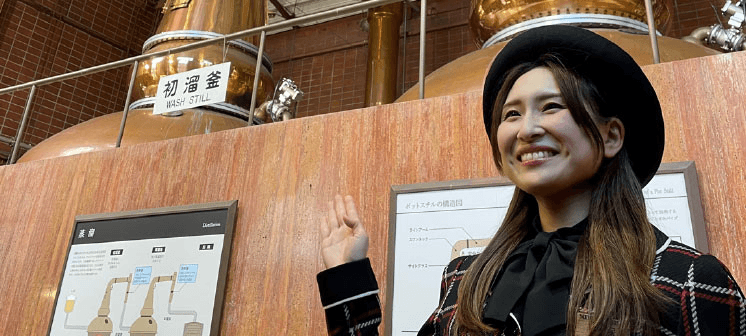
553, 106
511, 113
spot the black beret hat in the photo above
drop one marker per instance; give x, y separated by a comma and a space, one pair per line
627, 93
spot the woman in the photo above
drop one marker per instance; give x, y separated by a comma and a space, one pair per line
575, 124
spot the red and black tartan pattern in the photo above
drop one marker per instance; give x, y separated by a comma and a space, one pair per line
355, 318
707, 299
441, 322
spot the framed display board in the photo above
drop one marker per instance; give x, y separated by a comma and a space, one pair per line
433, 223
146, 272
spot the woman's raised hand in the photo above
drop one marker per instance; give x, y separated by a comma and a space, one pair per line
343, 237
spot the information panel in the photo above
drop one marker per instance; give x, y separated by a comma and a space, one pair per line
149, 272
433, 223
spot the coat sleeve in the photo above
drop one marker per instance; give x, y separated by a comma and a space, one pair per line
349, 294
711, 301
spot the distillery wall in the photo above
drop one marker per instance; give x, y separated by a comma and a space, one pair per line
283, 174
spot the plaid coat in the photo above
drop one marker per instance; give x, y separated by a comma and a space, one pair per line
709, 302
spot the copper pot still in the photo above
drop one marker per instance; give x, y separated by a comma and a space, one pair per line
494, 22
187, 21
183, 22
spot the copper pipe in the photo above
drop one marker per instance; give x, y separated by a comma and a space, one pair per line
383, 52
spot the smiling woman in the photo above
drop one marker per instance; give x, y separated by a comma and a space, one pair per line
575, 254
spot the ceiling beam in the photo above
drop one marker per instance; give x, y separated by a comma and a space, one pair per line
281, 9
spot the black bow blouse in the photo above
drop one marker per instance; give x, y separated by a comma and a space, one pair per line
534, 283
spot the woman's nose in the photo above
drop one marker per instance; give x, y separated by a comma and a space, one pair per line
530, 128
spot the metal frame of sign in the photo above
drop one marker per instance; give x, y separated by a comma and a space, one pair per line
230, 208
686, 167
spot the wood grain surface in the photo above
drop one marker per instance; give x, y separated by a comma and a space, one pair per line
284, 174
704, 104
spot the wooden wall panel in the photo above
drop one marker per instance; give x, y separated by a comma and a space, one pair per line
283, 175
704, 104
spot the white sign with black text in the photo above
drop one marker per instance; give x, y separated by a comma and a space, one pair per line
192, 88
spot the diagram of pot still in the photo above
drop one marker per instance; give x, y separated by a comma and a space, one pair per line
103, 325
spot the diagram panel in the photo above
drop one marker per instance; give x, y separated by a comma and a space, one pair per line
432, 228
151, 275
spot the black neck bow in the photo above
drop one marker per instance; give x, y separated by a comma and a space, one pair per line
535, 280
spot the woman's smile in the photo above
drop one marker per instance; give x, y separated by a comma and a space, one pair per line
535, 155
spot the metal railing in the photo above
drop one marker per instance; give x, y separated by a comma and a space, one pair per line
133, 61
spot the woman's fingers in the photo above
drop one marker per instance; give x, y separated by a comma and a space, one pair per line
331, 218
336, 216
342, 211
352, 219
340, 208
350, 208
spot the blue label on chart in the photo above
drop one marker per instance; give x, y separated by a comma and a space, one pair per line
188, 273
142, 275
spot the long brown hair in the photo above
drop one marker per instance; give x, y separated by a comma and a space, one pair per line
615, 254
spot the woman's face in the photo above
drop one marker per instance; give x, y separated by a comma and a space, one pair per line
542, 150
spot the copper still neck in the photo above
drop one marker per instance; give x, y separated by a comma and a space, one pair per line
187, 21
